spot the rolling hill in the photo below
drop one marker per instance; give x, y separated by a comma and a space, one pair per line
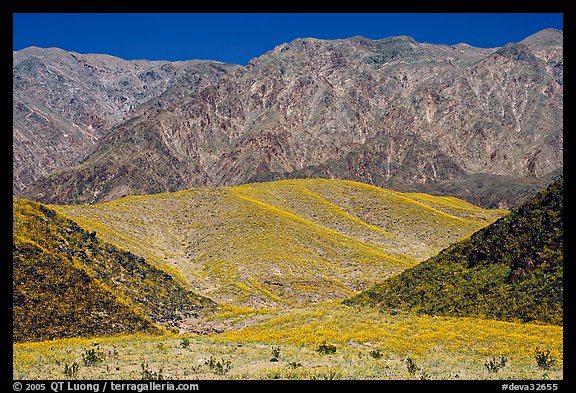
286, 242
511, 270
68, 283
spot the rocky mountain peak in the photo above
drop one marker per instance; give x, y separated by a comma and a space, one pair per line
548, 45
546, 37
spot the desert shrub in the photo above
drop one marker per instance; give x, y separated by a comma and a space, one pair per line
219, 367
185, 342
276, 351
71, 370
411, 367
326, 349
376, 354
544, 359
146, 374
424, 376
92, 356
294, 365
494, 365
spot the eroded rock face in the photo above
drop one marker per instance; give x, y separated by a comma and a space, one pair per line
391, 112
65, 102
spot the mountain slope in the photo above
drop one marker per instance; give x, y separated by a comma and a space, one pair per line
67, 283
64, 102
286, 242
391, 112
510, 270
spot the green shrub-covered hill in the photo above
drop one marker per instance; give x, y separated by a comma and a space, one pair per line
68, 283
511, 270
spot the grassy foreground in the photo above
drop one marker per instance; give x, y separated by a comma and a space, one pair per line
368, 345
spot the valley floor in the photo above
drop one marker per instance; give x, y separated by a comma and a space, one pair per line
368, 343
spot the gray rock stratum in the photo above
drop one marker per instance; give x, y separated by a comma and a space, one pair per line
483, 124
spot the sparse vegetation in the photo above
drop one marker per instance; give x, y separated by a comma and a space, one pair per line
147, 374
219, 367
326, 349
544, 359
330, 374
92, 356
71, 370
293, 227
411, 367
494, 365
85, 280
441, 346
353, 336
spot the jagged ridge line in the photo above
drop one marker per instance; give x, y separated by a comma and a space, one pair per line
371, 250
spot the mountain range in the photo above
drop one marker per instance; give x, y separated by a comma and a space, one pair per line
65, 102
482, 124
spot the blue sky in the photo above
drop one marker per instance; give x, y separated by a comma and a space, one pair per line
237, 37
